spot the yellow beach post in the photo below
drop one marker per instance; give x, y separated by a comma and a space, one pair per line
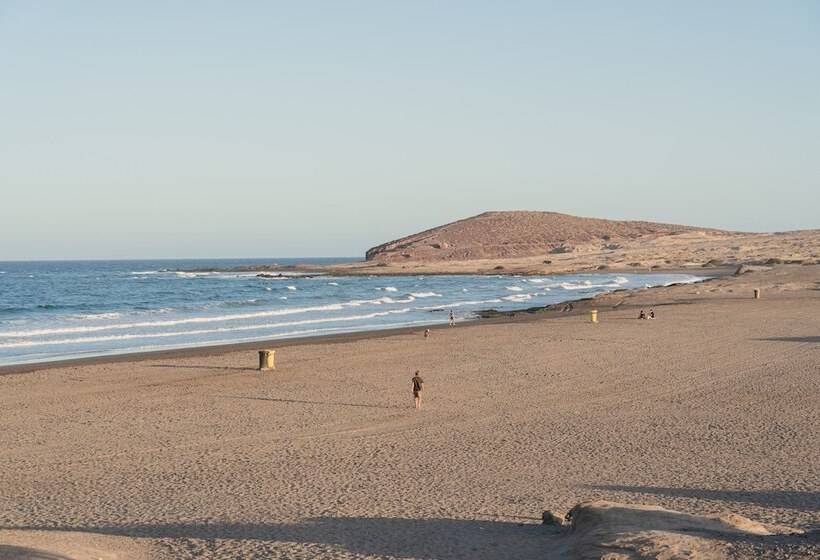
593, 315
266, 359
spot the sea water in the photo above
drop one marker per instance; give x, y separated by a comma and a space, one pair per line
56, 310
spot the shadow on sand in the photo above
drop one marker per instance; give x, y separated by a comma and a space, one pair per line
791, 339
791, 499
217, 368
425, 539
8, 552
325, 403
442, 539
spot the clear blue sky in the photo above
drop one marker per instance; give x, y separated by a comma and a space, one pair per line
206, 129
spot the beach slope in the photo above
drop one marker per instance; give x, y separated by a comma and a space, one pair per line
710, 408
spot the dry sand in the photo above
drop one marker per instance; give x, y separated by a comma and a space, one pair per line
713, 407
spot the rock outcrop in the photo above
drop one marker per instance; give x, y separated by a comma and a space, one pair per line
597, 530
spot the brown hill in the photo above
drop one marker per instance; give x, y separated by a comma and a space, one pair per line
503, 235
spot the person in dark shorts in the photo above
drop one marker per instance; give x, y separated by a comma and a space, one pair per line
418, 387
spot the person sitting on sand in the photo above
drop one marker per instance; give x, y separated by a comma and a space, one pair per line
452, 318
651, 313
426, 333
418, 387
642, 314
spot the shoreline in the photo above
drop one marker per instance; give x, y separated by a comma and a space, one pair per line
484, 316
707, 409
300, 271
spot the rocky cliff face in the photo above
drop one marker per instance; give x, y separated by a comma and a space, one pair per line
520, 234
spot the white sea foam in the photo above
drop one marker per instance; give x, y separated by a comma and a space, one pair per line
517, 297
292, 288
692, 280
386, 299
290, 334
173, 322
283, 297
160, 310
199, 320
408, 299
95, 316
198, 332
458, 304
587, 286
86, 334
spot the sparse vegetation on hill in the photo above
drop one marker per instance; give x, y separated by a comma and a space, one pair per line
521, 234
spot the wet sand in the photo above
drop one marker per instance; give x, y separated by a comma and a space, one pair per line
711, 407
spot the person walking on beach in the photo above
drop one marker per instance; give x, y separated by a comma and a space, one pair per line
452, 318
418, 387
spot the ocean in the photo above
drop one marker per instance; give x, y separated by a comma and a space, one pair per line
53, 310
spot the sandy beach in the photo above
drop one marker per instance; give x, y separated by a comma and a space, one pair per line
540, 281
712, 407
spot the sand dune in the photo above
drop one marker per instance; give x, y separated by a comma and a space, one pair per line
621, 532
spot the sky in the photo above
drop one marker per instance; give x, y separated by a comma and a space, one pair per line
256, 129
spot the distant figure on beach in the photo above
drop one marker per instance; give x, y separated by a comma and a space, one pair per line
418, 387
651, 313
567, 307
452, 318
642, 314
426, 333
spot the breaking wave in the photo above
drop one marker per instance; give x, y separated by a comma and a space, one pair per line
136, 336
94, 312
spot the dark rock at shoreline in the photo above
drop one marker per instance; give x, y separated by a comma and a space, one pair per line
280, 276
